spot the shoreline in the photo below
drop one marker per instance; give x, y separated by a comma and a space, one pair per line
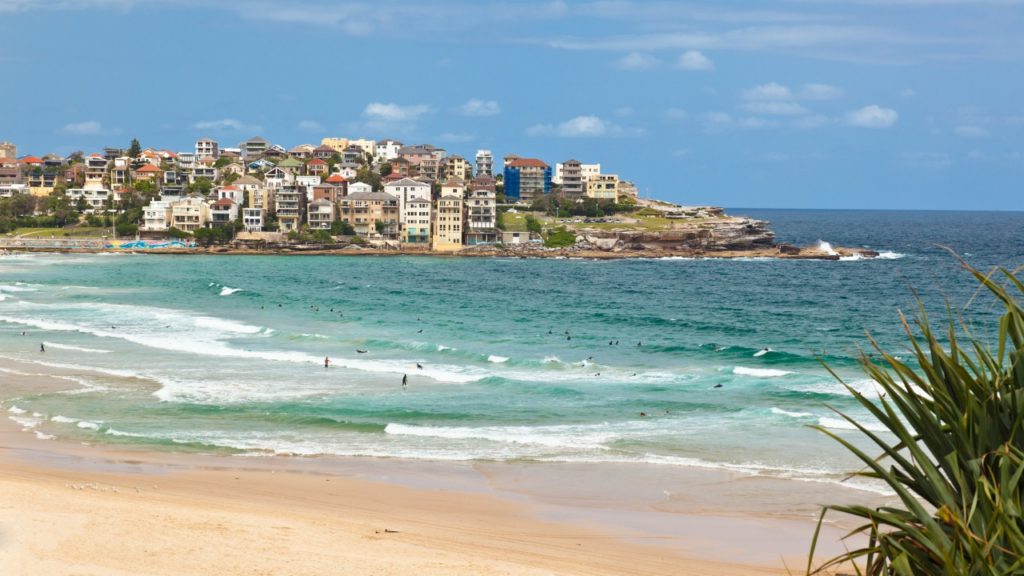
449, 518
773, 253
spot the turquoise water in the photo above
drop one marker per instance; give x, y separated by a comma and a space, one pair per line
225, 353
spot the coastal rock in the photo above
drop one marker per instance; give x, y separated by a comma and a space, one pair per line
788, 249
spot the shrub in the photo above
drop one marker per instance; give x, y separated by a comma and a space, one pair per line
560, 238
957, 457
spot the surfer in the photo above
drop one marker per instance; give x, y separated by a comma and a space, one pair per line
41, 347
639, 343
419, 366
327, 361
360, 351
717, 386
762, 351
405, 380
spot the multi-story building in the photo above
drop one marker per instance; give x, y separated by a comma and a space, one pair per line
8, 150
254, 148
416, 222
455, 167
572, 179
190, 214
223, 212
156, 216
406, 189
10, 171
481, 212
289, 205
603, 187
207, 148
367, 146
95, 199
387, 150
526, 179
336, 144
447, 226
321, 214
484, 163
363, 210
252, 219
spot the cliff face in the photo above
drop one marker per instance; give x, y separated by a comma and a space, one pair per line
724, 235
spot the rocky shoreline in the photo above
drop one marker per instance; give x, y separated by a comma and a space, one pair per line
719, 236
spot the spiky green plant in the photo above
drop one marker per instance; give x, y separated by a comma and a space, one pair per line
955, 456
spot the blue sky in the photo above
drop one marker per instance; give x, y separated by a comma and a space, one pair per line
800, 103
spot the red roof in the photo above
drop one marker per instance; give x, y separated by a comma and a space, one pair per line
333, 178
148, 168
227, 202
527, 163
31, 160
316, 162
229, 188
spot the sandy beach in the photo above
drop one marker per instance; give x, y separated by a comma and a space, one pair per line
102, 510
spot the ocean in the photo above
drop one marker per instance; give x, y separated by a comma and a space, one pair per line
525, 360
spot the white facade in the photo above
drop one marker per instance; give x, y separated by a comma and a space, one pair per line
186, 160
359, 187
155, 216
415, 221
252, 219
308, 181
586, 171
368, 146
206, 147
484, 163
95, 198
233, 193
405, 190
387, 150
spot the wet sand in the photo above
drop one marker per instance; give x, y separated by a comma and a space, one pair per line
69, 508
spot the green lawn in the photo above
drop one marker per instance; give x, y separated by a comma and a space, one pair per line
515, 222
80, 232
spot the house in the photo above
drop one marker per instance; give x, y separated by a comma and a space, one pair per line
481, 213
354, 187
8, 150
156, 216
254, 148
247, 183
94, 198
571, 176
186, 160
207, 172
278, 177
387, 150
369, 147
190, 213
508, 237
172, 193
289, 205
206, 147
353, 154
603, 187
11, 190
293, 164
275, 153
148, 173
302, 151
447, 222
316, 167
324, 152
174, 178
526, 179
223, 212
339, 183
10, 171
252, 219
401, 166
307, 182
234, 193
120, 174
260, 164
484, 163
372, 214
320, 215
347, 169
416, 222
428, 168
232, 168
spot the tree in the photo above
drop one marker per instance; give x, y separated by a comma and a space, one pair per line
533, 224
222, 162
135, 149
342, 228
385, 169
954, 452
200, 186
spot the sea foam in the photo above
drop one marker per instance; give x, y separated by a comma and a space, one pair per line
759, 372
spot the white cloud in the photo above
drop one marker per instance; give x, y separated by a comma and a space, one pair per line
715, 121
775, 108
476, 107
636, 61
873, 116
972, 131
227, 124
390, 112
83, 128
582, 127
769, 91
310, 126
753, 122
456, 137
820, 92
694, 60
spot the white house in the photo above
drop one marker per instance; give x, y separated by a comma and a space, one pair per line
415, 221
252, 219
320, 214
406, 189
307, 181
355, 187
155, 216
278, 178
223, 212
95, 198
234, 193
387, 150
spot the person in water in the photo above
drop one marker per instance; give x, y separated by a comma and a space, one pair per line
405, 380
327, 361
41, 347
